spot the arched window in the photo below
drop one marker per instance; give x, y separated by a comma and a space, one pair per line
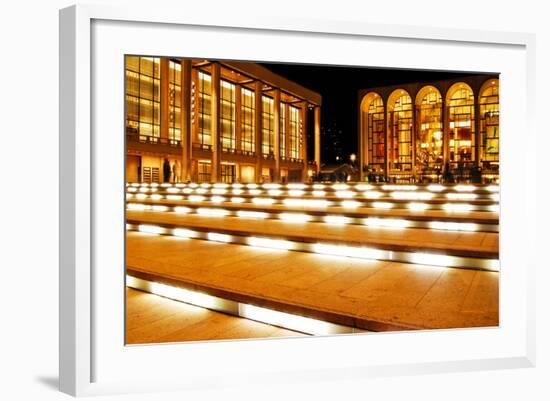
372, 129
489, 122
461, 124
429, 133
400, 131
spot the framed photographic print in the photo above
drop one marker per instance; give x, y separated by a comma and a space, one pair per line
248, 199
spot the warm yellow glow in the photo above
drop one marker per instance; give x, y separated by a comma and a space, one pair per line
495, 197
237, 199
382, 205
156, 197
464, 188
237, 185
159, 208
219, 237
217, 199
294, 217
188, 190
205, 185
196, 198
341, 250
131, 189
363, 187
252, 186
252, 214
389, 223
295, 192
183, 233
173, 190
296, 186
494, 208
339, 187
461, 196
138, 206
350, 204
318, 186
221, 185
203, 211
337, 220
269, 243
417, 206
201, 190
453, 226
274, 192
345, 194
436, 188
174, 197
431, 259
146, 228
307, 202
319, 193
193, 185
492, 188
141, 196
399, 187
219, 191
255, 191
372, 194
182, 209
271, 186
237, 191
412, 195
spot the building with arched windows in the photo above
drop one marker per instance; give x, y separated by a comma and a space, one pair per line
216, 121
418, 132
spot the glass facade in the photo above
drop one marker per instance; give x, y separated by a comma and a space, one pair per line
205, 109
268, 139
174, 130
227, 118
400, 135
204, 171
461, 113
228, 173
143, 98
489, 123
429, 135
376, 133
247, 121
294, 128
282, 130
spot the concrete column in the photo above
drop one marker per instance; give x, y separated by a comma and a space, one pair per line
238, 117
317, 140
258, 128
277, 133
215, 124
164, 98
303, 150
186, 144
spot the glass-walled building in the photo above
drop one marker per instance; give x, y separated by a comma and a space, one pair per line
430, 132
210, 121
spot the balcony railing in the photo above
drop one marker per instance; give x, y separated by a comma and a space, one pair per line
202, 146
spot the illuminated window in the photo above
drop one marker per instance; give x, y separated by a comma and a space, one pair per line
400, 135
489, 121
429, 136
294, 127
204, 170
205, 109
282, 130
375, 133
247, 119
143, 98
461, 123
267, 126
227, 121
174, 131
228, 173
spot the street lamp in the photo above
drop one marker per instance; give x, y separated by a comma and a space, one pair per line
352, 157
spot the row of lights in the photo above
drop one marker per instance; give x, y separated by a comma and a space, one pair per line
357, 187
420, 258
318, 203
304, 218
399, 195
265, 315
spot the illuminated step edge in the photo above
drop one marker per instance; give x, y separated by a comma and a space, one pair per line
264, 315
332, 219
358, 186
382, 203
427, 258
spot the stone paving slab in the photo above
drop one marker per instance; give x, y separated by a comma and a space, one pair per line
371, 295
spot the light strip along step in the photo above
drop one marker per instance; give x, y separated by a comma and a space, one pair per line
348, 217
380, 203
365, 250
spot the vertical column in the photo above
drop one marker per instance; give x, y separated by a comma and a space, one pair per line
445, 125
317, 140
186, 144
303, 150
361, 156
387, 148
277, 133
164, 98
258, 128
477, 133
215, 124
238, 118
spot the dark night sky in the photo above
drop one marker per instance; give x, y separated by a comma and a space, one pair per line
339, 87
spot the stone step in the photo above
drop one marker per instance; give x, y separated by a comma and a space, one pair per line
472, 221
477, 250
365, 294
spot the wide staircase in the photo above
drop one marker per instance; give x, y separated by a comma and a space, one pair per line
320, 258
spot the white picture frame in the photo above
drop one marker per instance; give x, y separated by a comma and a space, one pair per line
93, 360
